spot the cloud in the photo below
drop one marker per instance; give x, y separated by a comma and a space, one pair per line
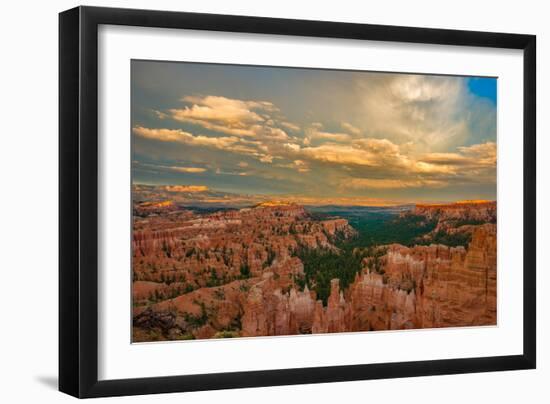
185, 188
188, 169
350, 128
445, 159
220, 109
292, 147
388, 157
391, 166
335, 153
252, 129
361, 183
408, 131
434, 112
419, 88
298, 165
160, 114
231, 143
315, 133
301, 166
266, 159
482, 155
225, 115
268, 132
363, 152
177, 135
219, 171
486, 153
405, 107
290, 126
333, 137
173, 168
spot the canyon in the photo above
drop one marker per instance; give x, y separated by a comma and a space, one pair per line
253, 271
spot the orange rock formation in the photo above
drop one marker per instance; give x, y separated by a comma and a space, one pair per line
235, 270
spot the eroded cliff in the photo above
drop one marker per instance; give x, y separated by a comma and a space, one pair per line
236, 273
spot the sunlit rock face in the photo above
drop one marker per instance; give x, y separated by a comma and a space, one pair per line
451, 286
235, 273
475, 210
422, 287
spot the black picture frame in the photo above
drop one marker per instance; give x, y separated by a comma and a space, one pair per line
78, 201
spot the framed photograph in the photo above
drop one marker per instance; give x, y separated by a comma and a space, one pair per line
252, 201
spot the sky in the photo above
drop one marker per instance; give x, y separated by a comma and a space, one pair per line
314, 135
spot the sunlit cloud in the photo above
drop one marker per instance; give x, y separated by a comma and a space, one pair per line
290, 126
220, 113
188, 169
350, 128
185, 188
370, 132
266, 159
177, 135
226, 115
196, 170
329, 136
232, 143
363, 152
369, 183
434, 112
479, 156
219, 171
298, 165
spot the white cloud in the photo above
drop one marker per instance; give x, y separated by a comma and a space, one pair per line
419, 88
434, 112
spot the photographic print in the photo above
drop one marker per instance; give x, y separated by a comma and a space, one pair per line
273, 201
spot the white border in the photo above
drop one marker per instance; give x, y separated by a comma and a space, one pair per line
120, 359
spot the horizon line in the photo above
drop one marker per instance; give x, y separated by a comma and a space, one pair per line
313, 201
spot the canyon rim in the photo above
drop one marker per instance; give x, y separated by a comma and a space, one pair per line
274, 201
